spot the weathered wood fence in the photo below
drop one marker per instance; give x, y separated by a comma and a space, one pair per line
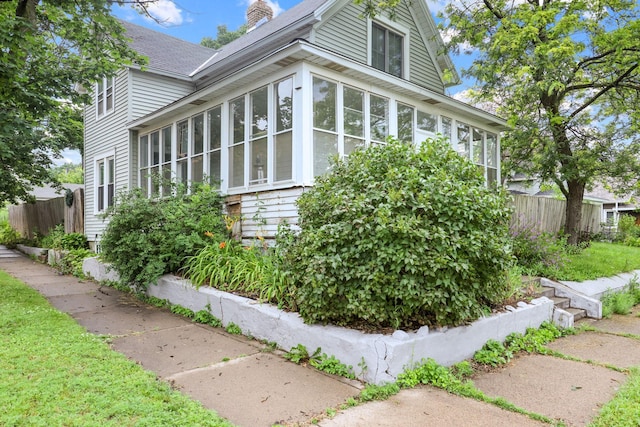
43, 215
548, 215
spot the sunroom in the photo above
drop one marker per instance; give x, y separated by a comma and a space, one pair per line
262, 134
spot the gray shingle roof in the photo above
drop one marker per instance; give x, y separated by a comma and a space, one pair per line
167, 53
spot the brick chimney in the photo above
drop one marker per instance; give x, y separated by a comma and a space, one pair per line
257, 11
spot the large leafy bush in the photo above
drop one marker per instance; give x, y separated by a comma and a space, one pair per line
146, 238
398, 236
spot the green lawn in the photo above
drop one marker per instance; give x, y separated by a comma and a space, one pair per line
600, 260
52, 372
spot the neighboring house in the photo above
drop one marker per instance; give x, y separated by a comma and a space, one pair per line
262, 116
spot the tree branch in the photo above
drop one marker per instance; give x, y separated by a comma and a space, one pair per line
604, 90
493, 10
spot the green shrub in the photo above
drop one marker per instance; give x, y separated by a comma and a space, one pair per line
52, 240
539, 254
71, 241
72, 262
146, 238
627, 229
493, 353
252, 270
398, 236
8, 236
623, 301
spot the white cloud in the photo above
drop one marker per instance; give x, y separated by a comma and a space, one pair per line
166, 12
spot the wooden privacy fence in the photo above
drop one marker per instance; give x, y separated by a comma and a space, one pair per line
43, 215
548, 215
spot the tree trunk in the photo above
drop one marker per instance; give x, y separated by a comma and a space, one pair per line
573, 214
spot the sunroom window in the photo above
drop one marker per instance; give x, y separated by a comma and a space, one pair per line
405, 123
197, 148
214, 122
236, 142
258, 153
353, 116
283, 138
182, 163
325, 132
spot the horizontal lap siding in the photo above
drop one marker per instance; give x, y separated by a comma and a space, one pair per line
263, 212
150, 92
345, 33
103, 135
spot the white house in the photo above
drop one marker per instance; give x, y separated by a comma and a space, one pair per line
263, 115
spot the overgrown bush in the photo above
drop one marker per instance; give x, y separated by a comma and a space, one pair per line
539, 254
8, 236
398, 236
147, 238
52, 240
58, 239
72, 262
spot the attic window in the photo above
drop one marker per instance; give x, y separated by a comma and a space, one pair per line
387, 50
105, 96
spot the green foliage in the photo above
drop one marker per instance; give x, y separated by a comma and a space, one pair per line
331, 365
206, 318
233, 329
68, 173
628, 231
8, 236
623, 301
600, 260
223, 36
77, 378
146, 238
182, 311
493, 353
299, 354
553, 72
539, 254
395, 236
622, 410
47, 48
429, 372
72, 262
378, 392
252, 270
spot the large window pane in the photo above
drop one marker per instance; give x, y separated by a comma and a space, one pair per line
353, 101
325, 145
446, 127
378, 46
395, 54
198, 134
183, 139
259, 164
196, 169
166, 144
236, 165
492, 176
166, 180
379, 116
144, 151
478, 147
259, 119
283, 156
214, 165
405, 123
215, 125
284, 104
182, 172
155, 148
492, 150
236, 108
351, 144
463, 140
427, 122
324, 104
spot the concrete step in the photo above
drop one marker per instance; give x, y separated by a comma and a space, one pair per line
548, 292
578, 313
561, 302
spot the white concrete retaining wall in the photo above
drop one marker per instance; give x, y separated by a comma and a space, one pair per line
385, 356
99, 271
36, 252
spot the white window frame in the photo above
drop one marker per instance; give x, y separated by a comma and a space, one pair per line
396, 28
102, 96
103, 158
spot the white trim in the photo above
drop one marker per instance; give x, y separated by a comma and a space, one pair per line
397, 28
96, 94
103, 157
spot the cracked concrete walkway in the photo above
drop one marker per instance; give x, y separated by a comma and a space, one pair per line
247, 383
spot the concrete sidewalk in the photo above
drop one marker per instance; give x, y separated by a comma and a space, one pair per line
250, 385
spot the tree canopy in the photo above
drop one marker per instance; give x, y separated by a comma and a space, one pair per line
48, 49
223, 36
566, 76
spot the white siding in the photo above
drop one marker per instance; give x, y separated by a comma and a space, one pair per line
136, 94
263, 212
346, 33
150, 92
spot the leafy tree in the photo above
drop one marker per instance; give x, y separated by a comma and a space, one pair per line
566, 75
223, 36
68, 173
47, 49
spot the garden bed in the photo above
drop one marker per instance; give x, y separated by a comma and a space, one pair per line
376, 358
